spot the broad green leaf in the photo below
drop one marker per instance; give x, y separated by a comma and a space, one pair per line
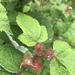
65, 56
32, 31
27, 23
57, 68
26, 9
69, 35
4, 73
60, 46
4, 22
27, 39
28, 73
43, 21
43, 35
10, 58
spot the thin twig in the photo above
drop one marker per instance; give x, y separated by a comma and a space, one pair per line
41, 3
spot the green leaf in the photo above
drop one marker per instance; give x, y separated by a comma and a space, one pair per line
27, 23
12, 5
56, 68
43, 21
67, 59
26, 9
45, 68
4, 22
12, 17
7, 0
43, 35
61, 7
69, 35
55, 1
28, 73
27, 39
61, 27
65, 56
34, 6
4, 73
32, 31
46, 8
10, 58
60, 46
1, 69
4, 37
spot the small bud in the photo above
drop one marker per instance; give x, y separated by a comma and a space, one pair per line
68, 9
50, 54
27, 61
39, 48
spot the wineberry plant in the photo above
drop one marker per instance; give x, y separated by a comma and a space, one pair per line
37, 37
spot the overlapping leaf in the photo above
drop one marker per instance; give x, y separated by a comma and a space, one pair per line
64, 63
44, 21
32, 31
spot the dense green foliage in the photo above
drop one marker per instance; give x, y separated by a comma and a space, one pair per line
25, 23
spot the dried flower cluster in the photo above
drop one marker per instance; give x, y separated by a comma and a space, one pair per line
40, 54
